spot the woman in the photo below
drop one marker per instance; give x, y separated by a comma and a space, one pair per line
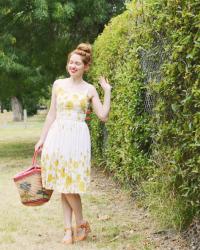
65, 139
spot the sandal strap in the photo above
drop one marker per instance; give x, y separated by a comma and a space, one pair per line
84, 226
67, 228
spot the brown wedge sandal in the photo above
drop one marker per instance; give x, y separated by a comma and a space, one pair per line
85, 228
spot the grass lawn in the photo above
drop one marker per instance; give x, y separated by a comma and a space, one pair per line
115, 222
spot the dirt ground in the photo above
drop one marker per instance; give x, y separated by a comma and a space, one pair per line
116, 221
132, 222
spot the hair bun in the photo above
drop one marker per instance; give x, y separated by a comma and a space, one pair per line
85, 47
85, 51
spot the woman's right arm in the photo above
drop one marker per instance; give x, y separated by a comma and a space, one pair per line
49, 119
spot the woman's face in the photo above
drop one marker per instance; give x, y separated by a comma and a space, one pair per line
75, 66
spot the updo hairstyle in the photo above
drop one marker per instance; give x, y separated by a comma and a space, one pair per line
85, 51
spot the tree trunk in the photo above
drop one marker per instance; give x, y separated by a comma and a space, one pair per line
16, 109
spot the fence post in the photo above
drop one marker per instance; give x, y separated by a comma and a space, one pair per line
25, 118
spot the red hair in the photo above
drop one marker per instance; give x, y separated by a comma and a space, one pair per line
85, 51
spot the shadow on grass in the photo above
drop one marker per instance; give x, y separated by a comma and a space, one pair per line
16, 150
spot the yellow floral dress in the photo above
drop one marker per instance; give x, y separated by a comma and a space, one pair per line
66, 154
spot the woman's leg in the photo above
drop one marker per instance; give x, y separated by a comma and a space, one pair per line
67, 212
82, 228
75, 203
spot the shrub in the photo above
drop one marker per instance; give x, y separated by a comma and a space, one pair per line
152, 50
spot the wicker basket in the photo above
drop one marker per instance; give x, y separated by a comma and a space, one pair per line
29, 185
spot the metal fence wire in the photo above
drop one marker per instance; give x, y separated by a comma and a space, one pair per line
151, 61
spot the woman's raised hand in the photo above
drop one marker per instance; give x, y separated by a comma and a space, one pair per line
104, 83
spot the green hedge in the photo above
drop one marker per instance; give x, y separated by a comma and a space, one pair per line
153, 48
115, 55
177, 116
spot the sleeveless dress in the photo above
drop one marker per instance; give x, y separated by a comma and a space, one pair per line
66, 153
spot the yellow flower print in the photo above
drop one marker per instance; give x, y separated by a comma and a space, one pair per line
50, 167
81, 186
75, 97
56, 163
62, 172
78, 178
88, 172
59, 91
68, 180
65, 164
83, 103
75, 163
50, 178
46, 157
69, 105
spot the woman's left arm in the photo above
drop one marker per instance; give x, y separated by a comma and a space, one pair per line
102, 110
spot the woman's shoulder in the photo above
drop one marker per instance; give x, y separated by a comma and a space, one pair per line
57, 86
88, 85
58, 82
91, 90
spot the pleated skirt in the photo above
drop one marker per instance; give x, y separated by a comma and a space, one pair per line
66, 157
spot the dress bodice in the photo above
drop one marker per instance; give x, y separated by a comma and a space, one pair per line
71, 104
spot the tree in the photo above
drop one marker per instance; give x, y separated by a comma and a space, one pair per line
35, 37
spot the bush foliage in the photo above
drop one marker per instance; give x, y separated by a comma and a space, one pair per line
153, 49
